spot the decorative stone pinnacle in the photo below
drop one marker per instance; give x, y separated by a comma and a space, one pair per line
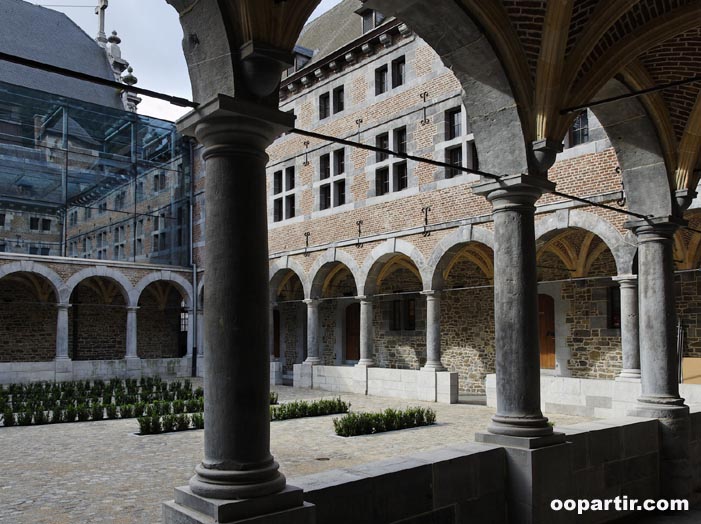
114, 39
129, 79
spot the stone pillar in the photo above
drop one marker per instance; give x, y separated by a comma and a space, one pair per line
237, 462
433, 331
516, 306
312, 331
131, 332
271, 331
628, 285
366, 332
62, 331
190, 331
200, 332
659, 363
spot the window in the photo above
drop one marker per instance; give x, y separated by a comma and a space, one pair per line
398, 72
119, 200
163, 241
2, 219
400, 140
579, 132
34, 223
277, 182
371, 19
403, 315
289, 178
140, 227
87, 213
382, 181
453, 127
324, 166
340, 192
101, 208
139, 190
2, 247
325, 196
73, 218
614, 308
289, 206
46, 224
453, 156
277, 210
338, 102
159, 182
380, 80
323, 106
395, 320
339, 161
400, 176
139, 247
381, 141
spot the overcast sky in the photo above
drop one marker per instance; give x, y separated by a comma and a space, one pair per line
151, 43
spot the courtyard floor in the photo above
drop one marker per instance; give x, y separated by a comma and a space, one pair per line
104, 472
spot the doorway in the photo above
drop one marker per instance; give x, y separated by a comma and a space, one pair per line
353, 331
546, 331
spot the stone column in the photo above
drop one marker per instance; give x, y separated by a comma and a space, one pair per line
433, 331
190, 331
271, 332
628, 285
312, 331
237, 462
659, 363
516, 305
62, 331
131, 332
366, 332
200, 332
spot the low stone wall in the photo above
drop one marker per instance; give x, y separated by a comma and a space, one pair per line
65, 370
591, 398
397, 383
454, 484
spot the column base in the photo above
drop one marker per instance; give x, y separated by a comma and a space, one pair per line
313, 360
223, 484
520, 426
434, 366
629, 375
286, 506
366, 362
511, 441
303, 375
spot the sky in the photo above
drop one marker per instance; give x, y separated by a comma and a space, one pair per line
154, 50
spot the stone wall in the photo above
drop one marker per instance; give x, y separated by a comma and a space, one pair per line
688, 292
158, 325
401, 349
27, 324
290, 332
328, 322
96, 328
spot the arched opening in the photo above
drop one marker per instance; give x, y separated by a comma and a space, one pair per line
162, 322
465, 275
578, 306
97, 320
27, 318
289, 325
334, 284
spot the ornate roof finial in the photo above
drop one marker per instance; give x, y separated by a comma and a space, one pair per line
129, 79
114, 39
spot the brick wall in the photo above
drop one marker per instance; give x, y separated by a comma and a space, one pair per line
158, 325
27, 324
688, 292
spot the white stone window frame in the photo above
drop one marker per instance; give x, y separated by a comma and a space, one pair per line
373, 166
443, 145
387, 59
283, 194
331, 180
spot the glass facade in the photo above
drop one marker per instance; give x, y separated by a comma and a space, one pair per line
83, 180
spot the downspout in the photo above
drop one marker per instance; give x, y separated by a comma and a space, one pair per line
195, 294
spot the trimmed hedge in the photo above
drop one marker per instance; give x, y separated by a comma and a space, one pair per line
390, 419
302, 408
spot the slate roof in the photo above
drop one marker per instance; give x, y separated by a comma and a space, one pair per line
332, 30
48, 36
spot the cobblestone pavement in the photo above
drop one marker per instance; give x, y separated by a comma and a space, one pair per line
102, 472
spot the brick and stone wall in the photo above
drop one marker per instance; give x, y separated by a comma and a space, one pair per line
158, 325
688, 292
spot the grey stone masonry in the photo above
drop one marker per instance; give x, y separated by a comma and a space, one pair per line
312, 331
630, 341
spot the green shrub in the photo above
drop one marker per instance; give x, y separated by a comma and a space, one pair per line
302, 408
198, 420
71, 413
8, 417
144, 425
139, 408
24, 418
126, 411
192, 405
156, 426
178, 406
182, 422
40, 417
58, 416
353, 424
199, 392
111, 410
273, 398
168, 423
97, 411
83, 413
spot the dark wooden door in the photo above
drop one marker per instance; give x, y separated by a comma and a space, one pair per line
546, 331
276, 333
353, 332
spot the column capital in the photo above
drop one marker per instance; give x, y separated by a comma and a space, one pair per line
655, 229
132, 308
431, 293
626, 280
311, 301
365, 298
64, 305
520, 189
227, 125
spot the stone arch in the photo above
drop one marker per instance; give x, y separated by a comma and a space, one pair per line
122, 282
450, 245
640, 155
179, 282
276, 271
29, 266
621, 249
317, 271
381, 254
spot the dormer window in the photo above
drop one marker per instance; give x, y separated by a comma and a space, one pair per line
371, 19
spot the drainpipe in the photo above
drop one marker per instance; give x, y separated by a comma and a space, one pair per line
195, 297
